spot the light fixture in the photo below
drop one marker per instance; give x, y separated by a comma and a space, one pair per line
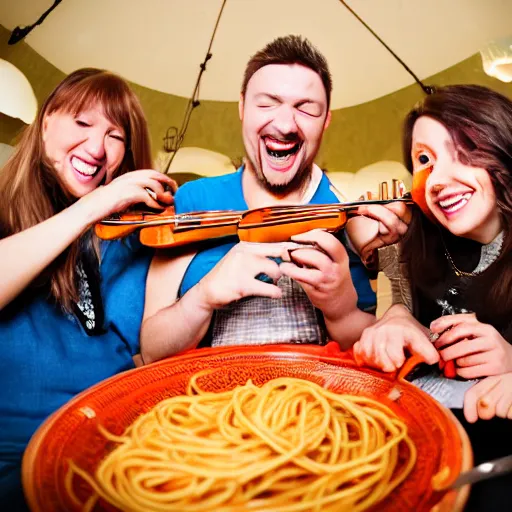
17, 99
497, 59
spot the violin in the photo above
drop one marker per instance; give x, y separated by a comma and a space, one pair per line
168, 229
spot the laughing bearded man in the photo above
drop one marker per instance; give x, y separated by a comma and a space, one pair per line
240, 293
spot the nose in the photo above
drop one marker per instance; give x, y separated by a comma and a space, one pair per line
95, 144
285, 120
438, 178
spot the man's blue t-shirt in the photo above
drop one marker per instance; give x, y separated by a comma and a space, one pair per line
226, 193
47, 357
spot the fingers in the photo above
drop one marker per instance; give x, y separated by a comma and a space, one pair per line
262, 289
419, 344
401, 210
254, 265
308, 276
327, 242
311, 259
473, 395
382, 356
157, 195
173, 186
270, 250
390, 218
378, 351
459, 332
476, 372
263, 265
396, 354
487, 403
504, 404
448, 321
464, 348
365, 349
471, 360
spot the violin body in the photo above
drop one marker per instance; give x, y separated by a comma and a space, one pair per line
280, 224
168, 229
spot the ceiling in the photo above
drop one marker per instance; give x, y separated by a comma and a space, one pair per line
161, 43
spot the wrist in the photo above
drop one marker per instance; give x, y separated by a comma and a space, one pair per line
339, 309
88, 208
202, 297
398, 310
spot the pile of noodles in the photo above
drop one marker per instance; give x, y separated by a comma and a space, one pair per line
287, 446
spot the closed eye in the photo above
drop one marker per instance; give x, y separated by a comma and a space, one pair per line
310, 109
79, 122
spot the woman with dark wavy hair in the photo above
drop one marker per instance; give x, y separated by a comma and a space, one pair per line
70, 306
456, 260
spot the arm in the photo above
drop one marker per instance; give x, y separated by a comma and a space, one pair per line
26, 254
171, 326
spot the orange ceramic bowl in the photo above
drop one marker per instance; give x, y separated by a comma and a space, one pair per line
72, 432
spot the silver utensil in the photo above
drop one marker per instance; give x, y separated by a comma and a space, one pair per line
484, 471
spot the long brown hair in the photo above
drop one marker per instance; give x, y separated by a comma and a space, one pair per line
30, 190
479, 121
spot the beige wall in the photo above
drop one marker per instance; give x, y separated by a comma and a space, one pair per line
357, 136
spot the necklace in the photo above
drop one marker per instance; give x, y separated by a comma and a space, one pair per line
458, 271
490, 253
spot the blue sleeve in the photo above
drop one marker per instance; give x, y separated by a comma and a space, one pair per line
188, 197
124, 269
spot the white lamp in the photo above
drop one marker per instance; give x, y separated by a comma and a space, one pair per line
17, 99
497, 59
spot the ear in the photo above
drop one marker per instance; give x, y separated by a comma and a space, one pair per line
241, 107
327, 120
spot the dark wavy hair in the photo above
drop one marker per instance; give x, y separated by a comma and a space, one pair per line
479, 121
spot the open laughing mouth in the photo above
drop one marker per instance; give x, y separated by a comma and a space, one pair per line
281, 151
454, 203
84, 169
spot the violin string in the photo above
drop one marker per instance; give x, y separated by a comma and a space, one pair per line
191, 219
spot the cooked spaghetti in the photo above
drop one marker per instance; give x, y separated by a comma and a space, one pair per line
287, 446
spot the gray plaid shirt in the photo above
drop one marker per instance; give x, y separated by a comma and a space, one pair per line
262, 320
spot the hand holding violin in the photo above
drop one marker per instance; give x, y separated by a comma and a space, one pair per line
235, 276
323, 273
142, 186
377, 226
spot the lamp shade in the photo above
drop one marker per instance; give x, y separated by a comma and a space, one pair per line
17, 99
497, 59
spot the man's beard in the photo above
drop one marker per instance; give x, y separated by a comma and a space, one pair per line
299, 181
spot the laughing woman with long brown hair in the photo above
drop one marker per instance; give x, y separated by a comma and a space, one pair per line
70, 306
457, 263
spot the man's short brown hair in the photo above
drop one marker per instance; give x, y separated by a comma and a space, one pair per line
290, 50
